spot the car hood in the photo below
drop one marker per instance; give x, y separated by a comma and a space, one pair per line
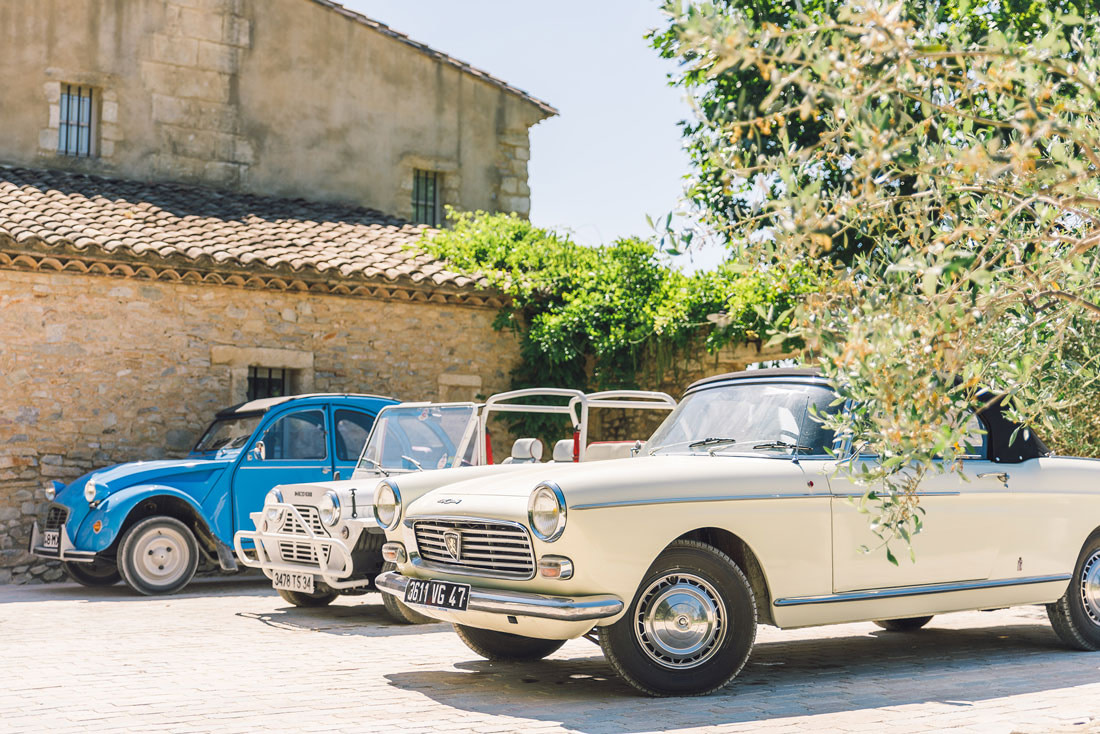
177, 472
641, 478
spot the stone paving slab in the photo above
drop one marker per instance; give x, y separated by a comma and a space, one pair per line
231, 656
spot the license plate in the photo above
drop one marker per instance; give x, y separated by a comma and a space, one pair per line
443, 594
51, 538
288, 581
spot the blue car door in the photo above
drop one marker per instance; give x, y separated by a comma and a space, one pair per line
295, 449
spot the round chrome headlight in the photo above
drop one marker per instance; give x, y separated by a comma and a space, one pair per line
329, 508
91, 489
387, 505
546, 511
273, 497
50, 491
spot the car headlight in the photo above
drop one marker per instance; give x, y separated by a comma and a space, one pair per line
91, 489
546, 511
273, 497
50, 491
329, 508
387, 505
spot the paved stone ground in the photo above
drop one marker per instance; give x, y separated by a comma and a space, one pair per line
230, 656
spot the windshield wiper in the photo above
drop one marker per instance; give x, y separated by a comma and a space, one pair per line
710, 442
377, 465
413, 461
781, 445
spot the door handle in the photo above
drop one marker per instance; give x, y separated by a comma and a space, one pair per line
326, 470
1002, 476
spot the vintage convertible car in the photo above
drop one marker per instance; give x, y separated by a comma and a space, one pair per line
318, 540
151, 523
739, 514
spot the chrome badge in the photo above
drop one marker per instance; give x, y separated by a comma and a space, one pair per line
453, 540
448, 501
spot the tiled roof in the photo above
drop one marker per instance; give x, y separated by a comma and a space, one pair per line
438, 55
203, 229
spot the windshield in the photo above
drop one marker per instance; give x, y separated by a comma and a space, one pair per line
748, 418
409, 438
227, 434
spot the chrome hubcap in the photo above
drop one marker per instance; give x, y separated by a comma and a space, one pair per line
680, 622
160, 556
1090, 587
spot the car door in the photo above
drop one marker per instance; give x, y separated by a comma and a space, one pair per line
963, 523
295, 450
351, 427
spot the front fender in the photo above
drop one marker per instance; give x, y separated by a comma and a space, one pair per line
113, 511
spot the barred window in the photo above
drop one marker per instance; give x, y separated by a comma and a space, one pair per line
268, 382
76, 133
425, 202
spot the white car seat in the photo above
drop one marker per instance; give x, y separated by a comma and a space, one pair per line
563, 451
525, 451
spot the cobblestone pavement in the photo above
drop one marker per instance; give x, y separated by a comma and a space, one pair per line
230, 656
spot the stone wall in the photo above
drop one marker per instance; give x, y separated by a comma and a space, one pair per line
97, 370
283, 97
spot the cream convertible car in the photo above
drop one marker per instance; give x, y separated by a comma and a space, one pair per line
739, 516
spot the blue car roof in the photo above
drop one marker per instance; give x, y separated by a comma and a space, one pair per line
261, 406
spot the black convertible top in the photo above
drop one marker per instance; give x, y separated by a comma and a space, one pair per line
1002, 447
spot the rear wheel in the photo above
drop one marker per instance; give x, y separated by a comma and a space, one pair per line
505, 647
1076, 616
906, 624
96, 574
398, 610
301, 599
689, 629
158, 555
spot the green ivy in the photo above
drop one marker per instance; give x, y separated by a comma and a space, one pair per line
613, 316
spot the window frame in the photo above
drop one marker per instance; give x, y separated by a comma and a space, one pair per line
254, 381
427, 206
262, 436
86, 119
337, 439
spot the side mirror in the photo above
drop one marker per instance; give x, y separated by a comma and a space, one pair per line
257, 453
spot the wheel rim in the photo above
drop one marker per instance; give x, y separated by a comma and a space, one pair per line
1090, 587
161, 556
680, 622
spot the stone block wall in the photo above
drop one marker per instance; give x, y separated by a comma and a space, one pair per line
97, 370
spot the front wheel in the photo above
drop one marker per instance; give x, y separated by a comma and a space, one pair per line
302, 599
690, 627
398, 610
1076, 616
505, 647
97, 574
906, 624
158, 555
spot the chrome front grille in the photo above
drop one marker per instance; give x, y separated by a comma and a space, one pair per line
488, 548
292, 552
56, 517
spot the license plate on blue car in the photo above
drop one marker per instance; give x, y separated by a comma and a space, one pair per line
51, 538
443, 594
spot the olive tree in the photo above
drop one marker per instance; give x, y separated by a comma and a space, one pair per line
965, 164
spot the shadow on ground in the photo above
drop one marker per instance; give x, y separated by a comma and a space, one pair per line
954, 667
365, 618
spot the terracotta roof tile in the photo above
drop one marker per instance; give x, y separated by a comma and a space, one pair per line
168, 221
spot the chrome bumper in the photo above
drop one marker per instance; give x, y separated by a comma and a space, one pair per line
64, 550
518, 603
333, 570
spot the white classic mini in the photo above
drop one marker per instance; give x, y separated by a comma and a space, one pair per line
739, 515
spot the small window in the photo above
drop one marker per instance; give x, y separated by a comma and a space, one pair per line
76, 130
298, 436
974, 443
268, 382
352, 429
426, 197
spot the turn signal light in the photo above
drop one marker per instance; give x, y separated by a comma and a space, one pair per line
97, 526
394, 553
555, 567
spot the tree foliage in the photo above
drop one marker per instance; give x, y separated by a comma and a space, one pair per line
954, 160
612, 316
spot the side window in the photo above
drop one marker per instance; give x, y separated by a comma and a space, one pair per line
974, 443
352, 429
298, 436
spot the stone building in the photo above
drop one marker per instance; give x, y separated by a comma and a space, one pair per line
203, 199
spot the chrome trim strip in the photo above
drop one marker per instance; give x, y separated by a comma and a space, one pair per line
724, 498
899, 591
417, 560
516, 603
852, 495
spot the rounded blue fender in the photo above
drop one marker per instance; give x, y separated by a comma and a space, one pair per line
113, 511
